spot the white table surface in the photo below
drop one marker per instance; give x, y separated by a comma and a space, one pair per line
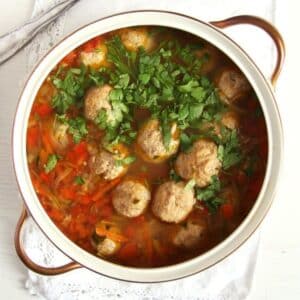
277, 274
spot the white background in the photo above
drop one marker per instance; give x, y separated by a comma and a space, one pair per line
277, 274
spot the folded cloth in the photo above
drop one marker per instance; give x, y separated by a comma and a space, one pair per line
229, 279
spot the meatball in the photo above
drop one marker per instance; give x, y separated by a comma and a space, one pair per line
200, 163
131, 198
106, 164
173, 202
95, 58
232, 85
230, 120
189, 235
107, 247
96, 99
150, 145
135, 38
211, 58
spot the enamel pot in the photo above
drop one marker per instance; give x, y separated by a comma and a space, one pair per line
211, 32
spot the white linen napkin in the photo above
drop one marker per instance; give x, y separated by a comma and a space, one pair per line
229, 279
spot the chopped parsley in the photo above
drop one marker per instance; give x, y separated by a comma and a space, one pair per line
229, 152
76, 127
174, 176
125, 161
190, 184
209, 195
79, 180
70, 85
51, 163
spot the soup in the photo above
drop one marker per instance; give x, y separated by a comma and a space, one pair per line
146, 146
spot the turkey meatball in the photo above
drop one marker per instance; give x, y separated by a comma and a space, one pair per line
107, 164
189, 235
173, 202
230, 120
95, 58
232, 85
131, 198
150, 145
211, 58
134, 38
200, 163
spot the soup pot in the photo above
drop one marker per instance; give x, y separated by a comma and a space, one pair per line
210, 32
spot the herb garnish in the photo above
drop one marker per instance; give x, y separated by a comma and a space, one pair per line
125, 161
77, 127
229, 152
51, 163
79, 180
208, 195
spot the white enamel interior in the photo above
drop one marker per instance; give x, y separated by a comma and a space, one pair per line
262, 89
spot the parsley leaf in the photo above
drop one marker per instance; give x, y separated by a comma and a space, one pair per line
79, 180
229, 152
51, 163
77, 127
123, 60
125, 161
190, 184
70, 85
208, 195
174, 176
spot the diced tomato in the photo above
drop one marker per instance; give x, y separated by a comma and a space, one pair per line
85, 199
78, 154
42, 109
93, 219
128, 251
56, 214
33, 134
68, 193
227, 210
70, 58
46, 177
91, 45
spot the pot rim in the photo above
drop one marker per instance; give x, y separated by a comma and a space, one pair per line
230, 48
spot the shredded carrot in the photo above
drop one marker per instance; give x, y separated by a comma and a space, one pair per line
101, 231
43, 157
33, 134
47, 142
105, 188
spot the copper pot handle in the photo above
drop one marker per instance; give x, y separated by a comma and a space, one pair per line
268, 28
32, 265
